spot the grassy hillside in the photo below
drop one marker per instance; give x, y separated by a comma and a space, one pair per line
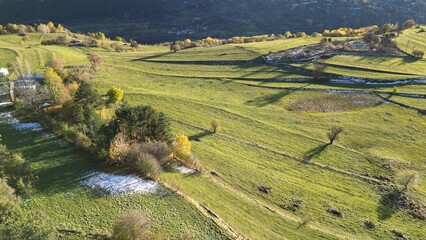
271, 134
412, 39
262, 143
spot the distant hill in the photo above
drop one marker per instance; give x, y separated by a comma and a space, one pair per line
153, 21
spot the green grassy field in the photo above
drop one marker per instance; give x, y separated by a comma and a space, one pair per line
259, 142
412, 39
258, 134
58, 192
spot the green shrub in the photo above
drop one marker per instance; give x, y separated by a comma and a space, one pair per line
8, 199
32, 227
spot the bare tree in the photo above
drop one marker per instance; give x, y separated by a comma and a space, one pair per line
334, 133
32, 95
318, 71
132, 225
95, 61
407, 179
215, 125
418, 53
175, 47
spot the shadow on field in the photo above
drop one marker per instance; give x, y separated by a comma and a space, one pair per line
388, 204
197, 137
262, 101
411, 59
56, 167
153, 56
269, 99
237, 63
314, 152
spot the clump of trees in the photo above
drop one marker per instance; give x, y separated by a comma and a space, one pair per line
97, 35
209, 41
141, 139
349, 32
135, 137
12, 28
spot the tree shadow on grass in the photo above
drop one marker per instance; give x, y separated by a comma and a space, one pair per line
262, 101
388, 204
153, 56
56, 168
314, 152
269, 99
197, 137
411, 59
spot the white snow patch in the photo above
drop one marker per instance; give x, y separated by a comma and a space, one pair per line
184, 170
27, 126
116, 184
352, 80
411, 95
346, 91
16, 124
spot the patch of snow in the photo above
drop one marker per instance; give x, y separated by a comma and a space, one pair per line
16, 124
27, 126
411, 95
347, 80
116, 184
352, 80
346, 91
185, 170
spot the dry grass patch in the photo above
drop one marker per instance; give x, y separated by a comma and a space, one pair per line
333, 102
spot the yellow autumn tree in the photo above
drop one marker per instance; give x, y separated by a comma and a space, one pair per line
60, 28
55, 85
182, 146
51, 27
115, 95
72, 88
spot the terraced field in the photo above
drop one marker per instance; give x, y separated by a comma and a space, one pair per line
263, 140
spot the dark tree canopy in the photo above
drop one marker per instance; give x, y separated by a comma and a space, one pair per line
142, 123
88, 96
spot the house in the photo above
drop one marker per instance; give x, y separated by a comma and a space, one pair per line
4, 72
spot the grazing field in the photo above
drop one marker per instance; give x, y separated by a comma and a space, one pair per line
273, 130
412, 39
260, 142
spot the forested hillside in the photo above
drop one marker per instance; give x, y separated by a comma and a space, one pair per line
166, 20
